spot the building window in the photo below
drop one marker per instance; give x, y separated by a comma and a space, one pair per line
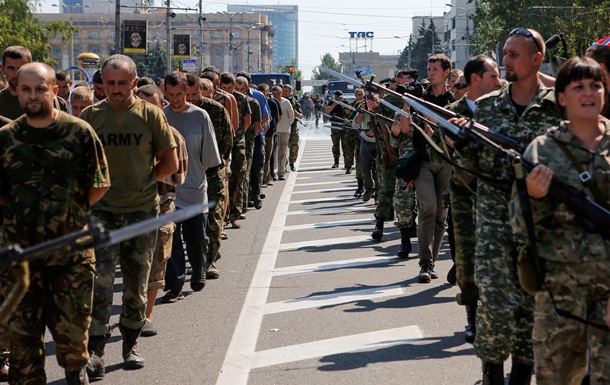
158, 35
93, 35
196, 35
75, 35
57, 50
112, 35
95, 49
218, 63
237, 35
216, 35
217, 50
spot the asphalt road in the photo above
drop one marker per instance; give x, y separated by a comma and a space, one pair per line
305, 297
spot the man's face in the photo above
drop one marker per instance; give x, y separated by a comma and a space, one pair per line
241, 88
227, 87
63, 88
35, 95
286, 92
520, 61
277, 94
359, 95
78, 105
436, 74
490, 80
119, 86
10, 68
193, 95
98, 91
405, 79
176, 96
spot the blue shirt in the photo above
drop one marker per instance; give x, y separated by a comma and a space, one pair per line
265, 111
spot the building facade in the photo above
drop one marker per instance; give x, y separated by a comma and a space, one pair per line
230, 45
369, 63
457, 38
285, 21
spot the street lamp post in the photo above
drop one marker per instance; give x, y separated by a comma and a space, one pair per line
254, 26
231, 16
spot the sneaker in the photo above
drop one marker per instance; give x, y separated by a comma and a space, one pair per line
348, 170
281, 177
292, 167
148, 330
250, 204
424, 275
335, 165
258, 204
433, 274
235, 223
242, 216
274, 178
170, 297
212, 272
270, 183
451, 276
224, 235
264, 185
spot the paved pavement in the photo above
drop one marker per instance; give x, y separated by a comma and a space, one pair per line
306, 297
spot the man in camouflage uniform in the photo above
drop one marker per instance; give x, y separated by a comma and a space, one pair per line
293, 141
481, 76
358, 103
238, 153
129, 126
337, 133
216, 176
45, 198
523, 110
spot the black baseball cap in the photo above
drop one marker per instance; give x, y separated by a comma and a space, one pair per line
338, 93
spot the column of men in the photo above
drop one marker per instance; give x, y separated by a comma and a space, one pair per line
128, 151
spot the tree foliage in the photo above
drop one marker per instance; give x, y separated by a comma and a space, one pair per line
419, 48
327, 61
18, 26
581, 21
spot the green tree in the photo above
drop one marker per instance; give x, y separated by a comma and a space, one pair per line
327, 61
405, 55
18, 26
581, 21
426, 44
285, 69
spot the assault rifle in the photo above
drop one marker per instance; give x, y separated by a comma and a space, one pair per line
94, 235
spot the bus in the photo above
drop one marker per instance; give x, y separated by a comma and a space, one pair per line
271, 79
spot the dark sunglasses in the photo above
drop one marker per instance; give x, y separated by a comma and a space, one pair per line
460, 86
525, 33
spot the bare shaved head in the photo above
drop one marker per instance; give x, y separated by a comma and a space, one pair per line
43, 70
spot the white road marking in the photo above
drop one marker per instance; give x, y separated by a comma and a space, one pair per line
329, 199
322, 225
376, 340
347, 181
334, 299
325, 242
317, 177
319, 169
324, 191
333, 210
334, 265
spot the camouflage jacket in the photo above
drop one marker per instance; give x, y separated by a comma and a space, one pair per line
222, 125
560, 234
45, 178
461, 177
244, 109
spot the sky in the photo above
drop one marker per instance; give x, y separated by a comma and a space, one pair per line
324, 24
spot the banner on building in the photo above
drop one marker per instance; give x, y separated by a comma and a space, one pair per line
135, 36
182, 46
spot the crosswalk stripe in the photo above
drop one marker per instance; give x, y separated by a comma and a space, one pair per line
345, 181
376, 340
333, 265
324, 191
329, 199
332, 210
334, 299
322, 225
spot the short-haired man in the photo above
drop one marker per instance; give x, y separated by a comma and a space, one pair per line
337, 133
522, 111
64, 83
13, 58
283, 129
195, 126
238, 154
80, 98
46, 198
293, 142
98, 87
167, 196
481, 76
275, 114
216, 176
141, 151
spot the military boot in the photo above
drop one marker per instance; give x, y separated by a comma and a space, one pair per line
95, 366
520, 374
77, 377
405, 243
493, 374
378, 232
358, 192
131, 358
336, 164
471, 327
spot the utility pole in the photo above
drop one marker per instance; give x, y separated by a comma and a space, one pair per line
117, 27
201, 20
168, 32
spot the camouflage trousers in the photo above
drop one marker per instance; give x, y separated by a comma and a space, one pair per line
236, 180
505, 317
462, 214
387, 183
560, 344
293, 143
134, 257
216, 193
246, 184
404, 204
351, 138
59, 297
163, 250
339, 145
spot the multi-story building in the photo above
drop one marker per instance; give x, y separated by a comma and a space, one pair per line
231, 45
457, 38
369, 63
284, 19
419, 22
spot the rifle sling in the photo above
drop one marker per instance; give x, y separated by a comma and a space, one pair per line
583, 175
